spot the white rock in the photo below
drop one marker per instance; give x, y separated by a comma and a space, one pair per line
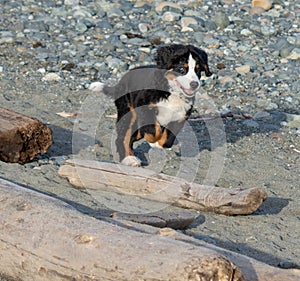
186, 22
41, 70
143, 27
246, 32
51, 77
96, 86
243, 69
71, 2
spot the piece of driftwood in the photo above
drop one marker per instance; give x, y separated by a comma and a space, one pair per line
22, 137
252, 269
42, 238
150, 185
177, 219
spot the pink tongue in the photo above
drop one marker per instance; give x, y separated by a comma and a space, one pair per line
188, 92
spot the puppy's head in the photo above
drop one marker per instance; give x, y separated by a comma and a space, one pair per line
186, 64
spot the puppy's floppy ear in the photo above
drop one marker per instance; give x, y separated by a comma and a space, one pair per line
206, 70
203, 61
163, 55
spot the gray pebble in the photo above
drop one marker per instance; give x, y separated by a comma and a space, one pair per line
81, 27
170, 16
115, 62
7, 40
221, 20
268, 30
115, 13
250, 123
261, 115
199, 37
210, 25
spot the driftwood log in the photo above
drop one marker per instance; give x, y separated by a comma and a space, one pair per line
42, 238
147, 184
22, 137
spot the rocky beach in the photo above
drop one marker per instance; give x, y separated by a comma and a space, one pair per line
245, 128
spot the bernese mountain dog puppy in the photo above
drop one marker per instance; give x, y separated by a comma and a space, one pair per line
153, 102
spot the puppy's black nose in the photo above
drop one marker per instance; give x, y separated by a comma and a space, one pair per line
194, 85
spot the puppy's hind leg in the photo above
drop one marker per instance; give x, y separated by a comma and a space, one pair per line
126, 126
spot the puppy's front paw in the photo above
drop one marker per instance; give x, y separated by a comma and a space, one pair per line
155, 145
132, 161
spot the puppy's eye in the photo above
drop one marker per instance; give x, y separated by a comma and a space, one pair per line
182, 70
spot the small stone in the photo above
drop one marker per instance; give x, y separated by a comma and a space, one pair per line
143, 27
81, 13
251, 239
115, 62
261, 115
1, 69
297, 41
285, 51
51, 77
199, 37
243, 69
268, 30
7, 40
266, 4
295, 54
250, 123
115, 13
246, 32
41, 70
71, 2
221, 20
256, 11
170, 16
81, 27
226, 79
271, 106
145, 50
186, 22
162, 5
210, 25
221, 66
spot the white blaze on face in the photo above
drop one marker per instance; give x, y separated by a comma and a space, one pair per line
191, 76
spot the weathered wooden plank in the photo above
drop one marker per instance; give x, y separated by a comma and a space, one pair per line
160, 187
22, 137
42, 238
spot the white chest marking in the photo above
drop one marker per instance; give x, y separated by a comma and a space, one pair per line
172, 109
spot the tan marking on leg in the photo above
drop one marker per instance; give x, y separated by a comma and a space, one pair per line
153, 138
127, 139
137, 137
163, 138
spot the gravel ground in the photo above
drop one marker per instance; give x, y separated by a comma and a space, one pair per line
51, 51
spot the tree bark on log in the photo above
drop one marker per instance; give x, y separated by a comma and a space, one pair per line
150, 185
42, 238
22, 137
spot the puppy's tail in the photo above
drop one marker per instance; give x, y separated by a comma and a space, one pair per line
101, 87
